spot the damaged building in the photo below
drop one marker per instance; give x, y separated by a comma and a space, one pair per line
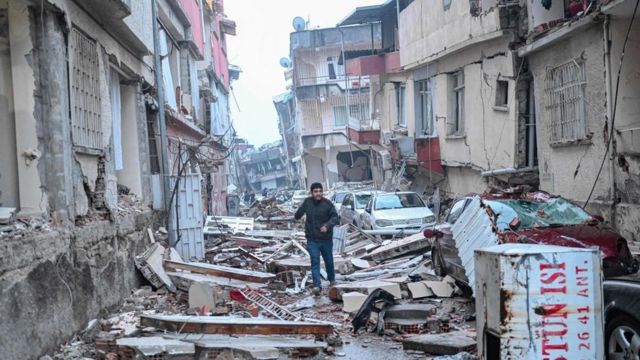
81, 169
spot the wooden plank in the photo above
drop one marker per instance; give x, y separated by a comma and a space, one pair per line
231, 325
217, 270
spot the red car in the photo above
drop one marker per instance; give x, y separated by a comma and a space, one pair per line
534, 217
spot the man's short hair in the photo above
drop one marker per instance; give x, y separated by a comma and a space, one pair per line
316, 185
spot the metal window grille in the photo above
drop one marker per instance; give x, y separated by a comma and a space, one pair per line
86, 121
400, 104
565, 102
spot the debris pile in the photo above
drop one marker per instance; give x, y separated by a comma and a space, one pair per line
250, 298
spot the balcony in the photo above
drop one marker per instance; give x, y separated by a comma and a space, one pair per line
387, 63
428, 154
113, 9
364, 137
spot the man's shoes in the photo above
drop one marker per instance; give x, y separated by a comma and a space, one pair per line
316, 291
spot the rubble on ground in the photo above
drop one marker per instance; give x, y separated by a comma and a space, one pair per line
250, 298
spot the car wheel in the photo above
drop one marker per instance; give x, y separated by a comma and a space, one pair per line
622, 334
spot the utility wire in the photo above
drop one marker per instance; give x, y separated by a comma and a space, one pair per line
615, 106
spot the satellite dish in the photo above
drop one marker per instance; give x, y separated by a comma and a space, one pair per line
285, 62
299, 24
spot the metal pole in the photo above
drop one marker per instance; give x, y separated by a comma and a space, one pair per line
162, 124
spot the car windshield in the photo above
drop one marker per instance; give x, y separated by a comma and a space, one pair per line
398, 201
300, 193
533, 214
362, 200
339, 198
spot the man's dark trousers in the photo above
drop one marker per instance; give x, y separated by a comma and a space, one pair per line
324, 248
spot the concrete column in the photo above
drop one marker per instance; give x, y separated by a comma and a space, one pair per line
32, 198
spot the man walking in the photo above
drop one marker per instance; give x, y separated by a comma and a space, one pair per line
318, 229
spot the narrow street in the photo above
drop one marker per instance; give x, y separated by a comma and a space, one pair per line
306, 179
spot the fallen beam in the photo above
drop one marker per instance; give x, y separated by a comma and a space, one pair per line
232, 325
217, 270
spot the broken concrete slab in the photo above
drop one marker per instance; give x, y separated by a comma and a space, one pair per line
150, 265
217, 270
157, 346
426, 288
203, 294
360, 263
183, 281
248, 346
408, 245
7, 215
441, 344
352, 301
232, 325
367, 287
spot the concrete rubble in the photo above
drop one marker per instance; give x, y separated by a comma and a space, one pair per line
250, 298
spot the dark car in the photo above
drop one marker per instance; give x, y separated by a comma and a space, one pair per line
537, 218
622, 317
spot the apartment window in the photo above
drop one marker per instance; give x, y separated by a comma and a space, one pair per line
331, 68
502, 93
424, 111
565, 102
455, 120
340, 117
86, 120
400, 104
355, 111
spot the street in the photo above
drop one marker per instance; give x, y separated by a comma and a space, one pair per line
363, 179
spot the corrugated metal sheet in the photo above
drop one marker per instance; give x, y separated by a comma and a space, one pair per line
539, 302
188, 221
473, 230
339, 237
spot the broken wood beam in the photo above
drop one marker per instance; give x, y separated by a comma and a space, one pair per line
231, 325
217, 270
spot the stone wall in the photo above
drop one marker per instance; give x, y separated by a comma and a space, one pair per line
53, 282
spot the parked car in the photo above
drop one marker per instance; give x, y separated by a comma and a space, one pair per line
396, 211
353, 207
298, 197
622, 317
337, 198
538, 218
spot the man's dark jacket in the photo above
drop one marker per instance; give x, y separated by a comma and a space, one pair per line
319, 213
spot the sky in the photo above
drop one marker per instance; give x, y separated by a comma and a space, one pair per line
263, 38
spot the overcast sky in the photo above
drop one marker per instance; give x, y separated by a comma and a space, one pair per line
263, 38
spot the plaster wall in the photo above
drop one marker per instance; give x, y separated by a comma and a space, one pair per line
427, 29
489, 139
9, 196
32, 197
571, 170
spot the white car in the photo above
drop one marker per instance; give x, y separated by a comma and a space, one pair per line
353, 207
337, 198
298, 198
397, 211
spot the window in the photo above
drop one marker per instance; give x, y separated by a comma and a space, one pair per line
400, 103
398, 201
332, 68
355, 111
455, 121
362, 200
339, 197
424, 113
347, 201
86, 120
502, 93
565, 102
340, 116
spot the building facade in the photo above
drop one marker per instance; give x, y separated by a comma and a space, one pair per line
586, 107
339, 137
